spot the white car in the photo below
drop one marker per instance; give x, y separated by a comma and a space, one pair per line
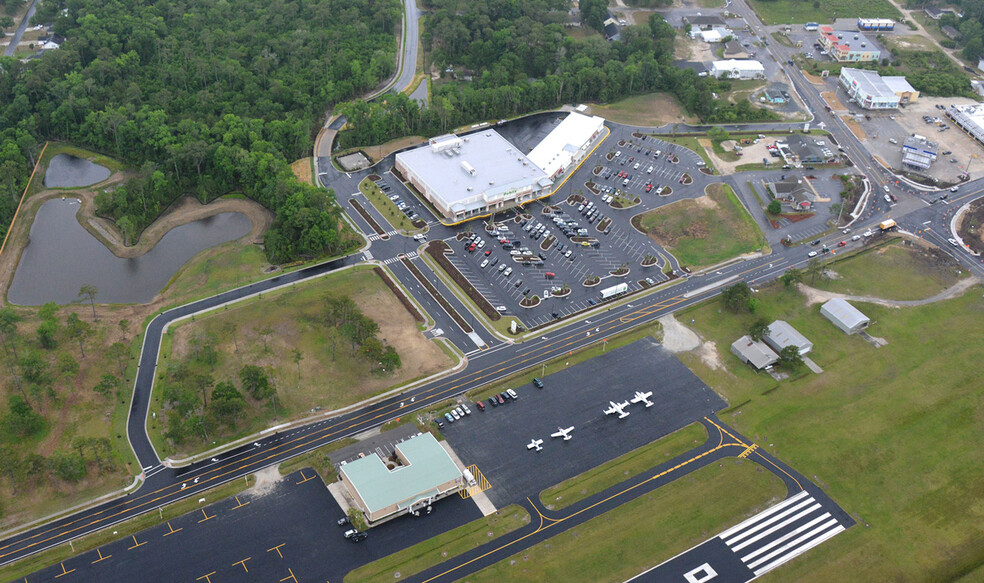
484, 264
481, 243
466, 409
954, 189
500, 308
856, 238
811, 254
649, 170
454, 413
868, 233
507, 272
953, 242
618, 153
546, 294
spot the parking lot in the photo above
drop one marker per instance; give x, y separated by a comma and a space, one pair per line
496, 439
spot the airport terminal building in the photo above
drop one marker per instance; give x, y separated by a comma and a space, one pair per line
425, 473
466, 177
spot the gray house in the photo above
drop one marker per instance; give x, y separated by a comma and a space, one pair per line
844, 316
754, 353
781, 335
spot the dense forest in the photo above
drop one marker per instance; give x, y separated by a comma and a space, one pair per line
523, 61
204, 97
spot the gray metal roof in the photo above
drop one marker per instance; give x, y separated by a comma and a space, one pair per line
781, 335
758, 354
839, 310
870, 82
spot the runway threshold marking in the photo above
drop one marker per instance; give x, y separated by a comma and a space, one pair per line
135, 543
101, 557
369, 416
277, 548
305, 479
290, 577
172, 529
64, 572
243, 563
239, 503
207, 517
206, 577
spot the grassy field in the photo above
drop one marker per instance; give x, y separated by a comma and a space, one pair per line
264, 331
443, 547
646, 531
20, 569
801, 11
623, 467
704, 231
895, 435
386, 207
651, 109
893, 271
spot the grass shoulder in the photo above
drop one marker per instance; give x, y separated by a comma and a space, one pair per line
387, 207
622, 468
443, 547
646, 531
691, 143
798, 12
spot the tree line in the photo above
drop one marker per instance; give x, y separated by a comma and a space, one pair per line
522, 60
204, 97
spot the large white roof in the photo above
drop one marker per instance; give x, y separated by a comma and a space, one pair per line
738, 65
556, 151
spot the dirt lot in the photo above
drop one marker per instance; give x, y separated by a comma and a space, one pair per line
653, 109
753, 153
302, 170
689, 49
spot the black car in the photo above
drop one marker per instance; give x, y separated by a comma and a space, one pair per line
815, 243
356, 536
537, 383
493, 402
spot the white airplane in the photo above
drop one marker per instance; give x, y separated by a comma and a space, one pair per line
535, 444
565, 433
618, 408
643, 398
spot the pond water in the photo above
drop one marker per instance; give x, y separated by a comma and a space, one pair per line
67, 171
61, 256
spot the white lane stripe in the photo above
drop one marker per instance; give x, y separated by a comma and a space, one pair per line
777, 527
794, 543
786, 537
765, 523
763, 514
798, 551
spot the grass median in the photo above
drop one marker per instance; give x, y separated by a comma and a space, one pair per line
646, 531
434, 551
622, 468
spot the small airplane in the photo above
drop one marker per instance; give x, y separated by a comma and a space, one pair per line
643, 398
618, 408
535, 444
565, 433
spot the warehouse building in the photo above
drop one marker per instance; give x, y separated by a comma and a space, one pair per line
872, 91
919, 153
567, 144
969, 118
738, 69
754, 353
846, 46
845, 316
781, 335
470, 176
423, 473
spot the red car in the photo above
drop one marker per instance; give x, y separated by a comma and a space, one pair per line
842, 243
480, 405
471, 248
489, 252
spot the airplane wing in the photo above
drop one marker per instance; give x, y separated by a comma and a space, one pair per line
623, 404
609, 410
638, 398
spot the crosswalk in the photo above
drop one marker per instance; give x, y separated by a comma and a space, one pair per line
377, 236
409, 255
781, 533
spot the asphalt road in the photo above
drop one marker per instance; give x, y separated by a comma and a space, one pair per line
9, 52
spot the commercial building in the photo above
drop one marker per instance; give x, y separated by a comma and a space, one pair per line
811, 26
754, 353
423, 473
969, 118
918, 152
774, 96
567, 144
846, 46
705, 22
845, 316
738, 69
734, 50
876, 24
795, 193
469, 176
781, 335
872, 91
805, 149
714, 35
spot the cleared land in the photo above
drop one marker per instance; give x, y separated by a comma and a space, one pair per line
895, 435
623, 467
799, 12
302, 170
703, 231
893, 271
652, 109
330, 374
425, 555
659, 525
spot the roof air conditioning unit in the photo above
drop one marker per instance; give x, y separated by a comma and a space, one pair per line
491, 182
855, 37
864, 45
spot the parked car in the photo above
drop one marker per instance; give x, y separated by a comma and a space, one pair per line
500, 399
465, 409
455, 414
480, 405
343, 521
537, 383
356, 536
494, 401
512, 394
449, 417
